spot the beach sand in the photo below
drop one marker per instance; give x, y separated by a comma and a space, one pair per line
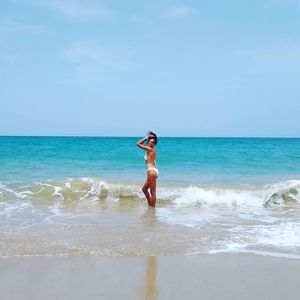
224, 276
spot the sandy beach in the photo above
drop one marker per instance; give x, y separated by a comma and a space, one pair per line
165, 277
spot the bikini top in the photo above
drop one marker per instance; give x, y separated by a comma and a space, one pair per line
146, 158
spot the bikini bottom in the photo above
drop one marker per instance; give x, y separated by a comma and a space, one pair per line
157, 173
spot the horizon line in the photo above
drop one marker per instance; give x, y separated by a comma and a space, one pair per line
162, 136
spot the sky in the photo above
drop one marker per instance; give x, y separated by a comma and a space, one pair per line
179, 68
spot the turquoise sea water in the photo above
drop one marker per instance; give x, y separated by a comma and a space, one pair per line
82, 196
180, 160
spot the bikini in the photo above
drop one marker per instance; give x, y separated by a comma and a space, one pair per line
151, 168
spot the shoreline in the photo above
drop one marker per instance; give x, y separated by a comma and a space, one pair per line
222, 276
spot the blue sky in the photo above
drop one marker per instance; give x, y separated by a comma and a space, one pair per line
120, 68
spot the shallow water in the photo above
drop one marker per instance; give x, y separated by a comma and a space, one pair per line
82, 196
90, 216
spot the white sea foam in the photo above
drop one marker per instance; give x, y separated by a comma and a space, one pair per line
57, 191
5, 189
56, 212
215, 218
10, 208
281, 239
68, 185
189, 218
279, 194
214, 196
283, 193
235, 248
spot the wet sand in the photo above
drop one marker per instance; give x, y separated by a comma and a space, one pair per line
164, 277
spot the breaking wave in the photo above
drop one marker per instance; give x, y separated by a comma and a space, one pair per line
285, 193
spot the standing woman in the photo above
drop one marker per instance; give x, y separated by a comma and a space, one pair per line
152, 172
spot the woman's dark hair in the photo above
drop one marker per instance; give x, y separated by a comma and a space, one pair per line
153, 136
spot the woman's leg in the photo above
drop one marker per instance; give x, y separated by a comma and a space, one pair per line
152, 185
145, 191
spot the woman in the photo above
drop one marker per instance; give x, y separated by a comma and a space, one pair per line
152, 172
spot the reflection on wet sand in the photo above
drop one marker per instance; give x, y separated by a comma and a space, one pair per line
151, 291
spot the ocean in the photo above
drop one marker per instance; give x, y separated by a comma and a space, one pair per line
82, 196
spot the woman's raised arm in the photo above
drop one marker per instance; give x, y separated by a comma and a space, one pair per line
141, 142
